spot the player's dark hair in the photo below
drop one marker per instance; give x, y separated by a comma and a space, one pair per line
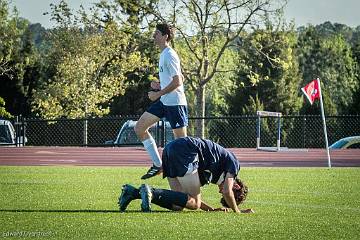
165, 28
239, 193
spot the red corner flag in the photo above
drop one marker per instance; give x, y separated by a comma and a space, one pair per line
312, 91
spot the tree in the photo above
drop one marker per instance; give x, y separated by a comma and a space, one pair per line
3, 112
130, 14
9, 37
89, 77
92, 57
328, 29
17, 57
221, 83
206, 20
267, 79
355, 46
268, 74
329, 58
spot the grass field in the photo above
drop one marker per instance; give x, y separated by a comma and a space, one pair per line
81, 203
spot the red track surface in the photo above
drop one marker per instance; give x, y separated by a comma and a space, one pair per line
137, 156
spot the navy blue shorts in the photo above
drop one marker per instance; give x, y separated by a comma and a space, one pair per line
178, 158
176, 115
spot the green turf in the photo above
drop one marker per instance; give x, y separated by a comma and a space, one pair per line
81, 203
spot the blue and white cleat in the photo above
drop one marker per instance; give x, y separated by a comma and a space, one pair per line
127, 195
146, 197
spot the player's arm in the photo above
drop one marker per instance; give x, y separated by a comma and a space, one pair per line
206, 207
228, 192
176, 82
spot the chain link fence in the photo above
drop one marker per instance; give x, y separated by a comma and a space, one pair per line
231, 131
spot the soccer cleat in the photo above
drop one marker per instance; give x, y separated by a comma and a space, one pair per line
153, 171
146, 197
127, 195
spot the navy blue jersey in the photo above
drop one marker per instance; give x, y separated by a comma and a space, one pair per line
212, 160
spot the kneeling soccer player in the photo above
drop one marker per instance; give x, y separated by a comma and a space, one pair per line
188, 164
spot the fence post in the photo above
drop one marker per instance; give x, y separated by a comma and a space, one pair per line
17, 131
258, 132
85, 132
19, 138
23, 124
278, 133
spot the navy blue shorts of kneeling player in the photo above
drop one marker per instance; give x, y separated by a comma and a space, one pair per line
178, 158
176, 115
188, 154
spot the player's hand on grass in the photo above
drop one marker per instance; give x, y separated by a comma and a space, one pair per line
249, 210
222, 209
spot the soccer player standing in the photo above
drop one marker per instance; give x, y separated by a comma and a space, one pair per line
168, 98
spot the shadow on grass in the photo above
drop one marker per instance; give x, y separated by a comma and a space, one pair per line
77, 211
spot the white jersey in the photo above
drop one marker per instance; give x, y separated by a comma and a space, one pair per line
169, 66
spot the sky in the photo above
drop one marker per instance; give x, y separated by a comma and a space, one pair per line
303, 12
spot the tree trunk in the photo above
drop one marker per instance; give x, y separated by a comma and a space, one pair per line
200, 112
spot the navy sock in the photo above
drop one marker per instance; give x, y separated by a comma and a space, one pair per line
167, 198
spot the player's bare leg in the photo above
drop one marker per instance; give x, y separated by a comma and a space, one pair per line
142, 131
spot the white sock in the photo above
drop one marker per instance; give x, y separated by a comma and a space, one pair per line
151, 148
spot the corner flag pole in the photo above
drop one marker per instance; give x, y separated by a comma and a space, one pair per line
324, 124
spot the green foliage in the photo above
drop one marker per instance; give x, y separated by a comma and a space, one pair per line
73, 30
105, 57
208, 33
3, 112
135, 11
90, 76
81, 203
355, 43
133, 15
254, 105
268, 75
17, 59
329, 58
9, 38
221, 84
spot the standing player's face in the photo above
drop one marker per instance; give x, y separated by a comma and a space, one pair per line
159, 39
